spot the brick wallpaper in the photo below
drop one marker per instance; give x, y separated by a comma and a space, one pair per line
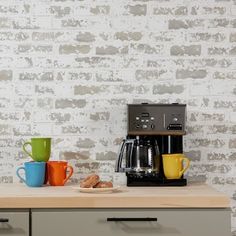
69, 67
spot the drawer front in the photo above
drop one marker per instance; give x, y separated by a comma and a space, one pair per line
125, 222
14, 223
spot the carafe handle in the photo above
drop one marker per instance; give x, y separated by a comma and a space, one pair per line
118, 167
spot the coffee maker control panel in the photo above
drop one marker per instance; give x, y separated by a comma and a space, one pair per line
154, 119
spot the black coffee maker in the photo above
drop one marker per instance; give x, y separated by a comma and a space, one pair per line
153, 130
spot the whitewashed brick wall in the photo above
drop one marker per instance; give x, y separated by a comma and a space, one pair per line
69, 67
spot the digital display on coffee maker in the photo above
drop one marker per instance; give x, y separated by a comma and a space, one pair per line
145, 114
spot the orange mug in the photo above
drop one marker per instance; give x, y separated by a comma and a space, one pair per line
56, 172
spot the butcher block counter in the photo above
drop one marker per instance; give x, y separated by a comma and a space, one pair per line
191, 196
192, 210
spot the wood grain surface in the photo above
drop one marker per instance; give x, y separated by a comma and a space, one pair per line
191, 196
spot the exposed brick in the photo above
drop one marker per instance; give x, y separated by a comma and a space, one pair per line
94, 62
208, 37
224, 180
146, 48
224, 75
194, 155
204, 142
223, 129
70, 103
106, 156
17, 36
222, 51
27, 23
43, 36
194, 74
208, 10
85, 143
41, 76
73, 156
72, 129
85, 37
5, 75
28, 48
100, 116
59, 11
5, 129
82, 90
192, 50
150, 75
177, 11
171, 89
128, 36
186, 24
222, 23
5, 23
88, 167
79, 76
6, 179
22, 130
232, 37
206, 116
4, 102
111, 50
232, 143
45, 103
43, 90
15, 9
225, 104
60, 117
74, 49
137, 10
108, 75
98, 10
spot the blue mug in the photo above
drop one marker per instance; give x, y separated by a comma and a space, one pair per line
34, 173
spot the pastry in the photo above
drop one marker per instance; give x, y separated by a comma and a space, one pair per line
89, 181
104, 184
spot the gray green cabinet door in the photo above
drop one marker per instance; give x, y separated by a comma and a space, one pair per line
14, 223
130, 222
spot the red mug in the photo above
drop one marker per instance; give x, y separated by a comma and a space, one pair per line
56, 172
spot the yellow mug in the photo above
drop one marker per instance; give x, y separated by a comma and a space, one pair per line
173, 165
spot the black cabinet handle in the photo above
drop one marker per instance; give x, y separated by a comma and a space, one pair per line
4, 220
131, 219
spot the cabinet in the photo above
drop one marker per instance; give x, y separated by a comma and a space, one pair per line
124, 222
14, 222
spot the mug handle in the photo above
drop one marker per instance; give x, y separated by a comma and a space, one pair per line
24, 148
70, 174
18, 174
186, 167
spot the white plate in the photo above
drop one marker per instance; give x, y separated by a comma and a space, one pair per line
97, 190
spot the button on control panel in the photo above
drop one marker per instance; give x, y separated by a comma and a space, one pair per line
144, 121
144, 126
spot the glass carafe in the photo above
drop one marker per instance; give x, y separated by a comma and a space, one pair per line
139, 155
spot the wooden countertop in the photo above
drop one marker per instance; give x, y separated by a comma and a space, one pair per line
191, 196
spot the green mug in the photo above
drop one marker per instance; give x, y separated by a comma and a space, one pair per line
41, 149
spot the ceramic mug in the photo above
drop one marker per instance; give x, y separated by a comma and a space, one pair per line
57, 172
173, 165
34, 173
41, 149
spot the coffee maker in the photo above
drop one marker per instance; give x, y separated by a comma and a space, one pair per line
153, 130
